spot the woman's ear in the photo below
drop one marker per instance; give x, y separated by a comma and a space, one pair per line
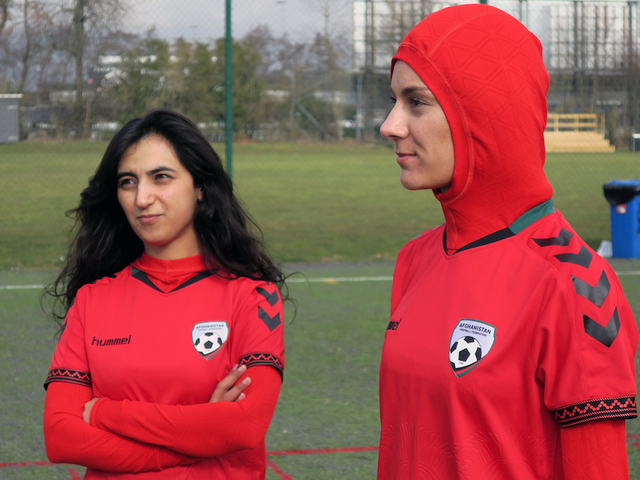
199, 193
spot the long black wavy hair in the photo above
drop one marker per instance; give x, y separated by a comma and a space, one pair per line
105, 243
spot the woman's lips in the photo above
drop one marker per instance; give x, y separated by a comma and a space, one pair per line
147, 219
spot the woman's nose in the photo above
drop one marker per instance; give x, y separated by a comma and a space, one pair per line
393, 127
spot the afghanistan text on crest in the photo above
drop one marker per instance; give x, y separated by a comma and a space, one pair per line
470, 342
208, 337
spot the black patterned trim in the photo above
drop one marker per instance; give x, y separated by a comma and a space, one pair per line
68, 376
602, 408
256, 359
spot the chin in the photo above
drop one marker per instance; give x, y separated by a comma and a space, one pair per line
412, 185
417, 184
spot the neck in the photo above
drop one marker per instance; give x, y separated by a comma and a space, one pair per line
172, 252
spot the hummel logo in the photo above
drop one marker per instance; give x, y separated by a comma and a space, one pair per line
393, 324
111, 341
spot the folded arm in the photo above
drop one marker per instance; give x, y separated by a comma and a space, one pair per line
204, 430
69, 439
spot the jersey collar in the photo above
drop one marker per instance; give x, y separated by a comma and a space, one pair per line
522, 222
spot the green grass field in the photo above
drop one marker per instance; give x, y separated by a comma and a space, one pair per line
336, 211
328, 400
314, 202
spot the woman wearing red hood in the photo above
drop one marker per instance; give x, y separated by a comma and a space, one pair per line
510, 351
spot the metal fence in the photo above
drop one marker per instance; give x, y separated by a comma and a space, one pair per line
303, 69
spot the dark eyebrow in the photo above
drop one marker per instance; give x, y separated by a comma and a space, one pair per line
150, 172
410, 90
125, 174
161, 169
407, 91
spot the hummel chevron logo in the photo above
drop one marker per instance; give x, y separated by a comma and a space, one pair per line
582, 258
562, 240
596, 295
269, 321
605, 335
272, 298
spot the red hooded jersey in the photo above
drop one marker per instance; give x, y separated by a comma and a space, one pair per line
505, 326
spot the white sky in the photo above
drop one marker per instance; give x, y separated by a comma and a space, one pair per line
204, 20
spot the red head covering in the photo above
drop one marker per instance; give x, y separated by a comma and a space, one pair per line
486, 71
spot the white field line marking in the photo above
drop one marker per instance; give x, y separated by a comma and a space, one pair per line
20, 287
340, 279
291, 280
297, 280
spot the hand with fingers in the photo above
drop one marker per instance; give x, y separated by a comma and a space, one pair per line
227, 390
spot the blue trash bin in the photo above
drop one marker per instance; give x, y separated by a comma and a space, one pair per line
624, 198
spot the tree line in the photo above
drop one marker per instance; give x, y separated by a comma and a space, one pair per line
76, 67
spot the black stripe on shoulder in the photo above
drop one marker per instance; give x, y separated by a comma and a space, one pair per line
68, 376
598, 409
256, 359
605, 335
271, 298
562, 240
582, 258
596, 295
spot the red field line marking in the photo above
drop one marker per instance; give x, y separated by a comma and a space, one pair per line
321, 451
278, 471
634, 444
74, 475
26, 464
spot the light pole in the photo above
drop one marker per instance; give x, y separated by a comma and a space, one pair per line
228, 84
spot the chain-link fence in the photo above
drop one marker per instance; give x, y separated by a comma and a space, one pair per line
303, 70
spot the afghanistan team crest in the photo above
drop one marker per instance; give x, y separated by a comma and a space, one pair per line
470, 342
208, 337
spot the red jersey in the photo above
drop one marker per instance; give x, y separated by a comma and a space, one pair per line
492, 350
166, 333
505, 326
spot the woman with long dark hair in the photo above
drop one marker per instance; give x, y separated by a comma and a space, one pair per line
169, 302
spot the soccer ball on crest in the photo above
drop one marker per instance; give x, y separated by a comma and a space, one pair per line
464, 352
207, 343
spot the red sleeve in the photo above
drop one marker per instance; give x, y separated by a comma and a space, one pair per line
69, 439
204, 430
595, 450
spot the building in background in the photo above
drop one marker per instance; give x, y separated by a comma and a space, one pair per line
10, 117
590, 49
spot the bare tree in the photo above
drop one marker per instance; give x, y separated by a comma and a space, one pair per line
27, 48
328, 57
4, 13
84, 18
